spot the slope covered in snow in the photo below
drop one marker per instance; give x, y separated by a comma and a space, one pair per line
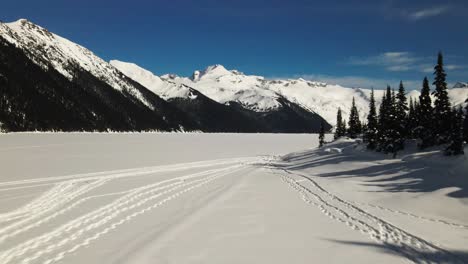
260, 110
46, 48
237, 201
163, 88
226, 86
259, 94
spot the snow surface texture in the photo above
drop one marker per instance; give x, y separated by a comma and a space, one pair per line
133, 198
259, 94
42, 46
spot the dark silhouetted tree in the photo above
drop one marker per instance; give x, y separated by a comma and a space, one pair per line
322, 134
354, 124
340, 130
412, 120
388, 141
455, 146
442, 107
465, 123
425, 117
370, 135
401, 108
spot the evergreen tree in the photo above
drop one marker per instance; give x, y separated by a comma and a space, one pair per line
370, 135
381, 123
411, 122
416, 111
442, 108
354, 123
344, 128
401, 108
340, 125
456, 134
389, 140
322, 134
465, 123
425, 116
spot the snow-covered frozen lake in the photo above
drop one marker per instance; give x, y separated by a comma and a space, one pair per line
33, 155
225, 198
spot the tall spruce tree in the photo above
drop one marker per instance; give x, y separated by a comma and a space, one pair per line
412, 119
381, 122
401, 108
425, 130
442, 107
455, 146
388, 124
322, 134
370, 135
340, 129
354, 124
465, 123
344, 128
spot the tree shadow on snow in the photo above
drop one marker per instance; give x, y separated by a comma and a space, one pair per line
414, 254
421, 172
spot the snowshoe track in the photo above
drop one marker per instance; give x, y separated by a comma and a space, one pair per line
410, 246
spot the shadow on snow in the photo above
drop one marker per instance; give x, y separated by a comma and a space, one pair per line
415, 172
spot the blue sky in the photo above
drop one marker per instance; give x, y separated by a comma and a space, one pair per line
354, 43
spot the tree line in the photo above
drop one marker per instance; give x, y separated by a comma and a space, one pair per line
400, 119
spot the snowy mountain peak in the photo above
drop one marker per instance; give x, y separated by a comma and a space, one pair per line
50, 50
213, 71
215, 68
23, 22
23, 27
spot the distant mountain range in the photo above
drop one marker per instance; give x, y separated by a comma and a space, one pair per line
50, 83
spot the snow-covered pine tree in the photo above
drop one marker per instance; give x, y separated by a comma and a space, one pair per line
455, 146
442, 107
340, 129
425, 117
354, 124
322, 134
370, 136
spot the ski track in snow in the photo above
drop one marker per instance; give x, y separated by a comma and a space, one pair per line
410, 246
71, 191
395, 211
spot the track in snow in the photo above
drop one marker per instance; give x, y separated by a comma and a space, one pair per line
402, 242
72, 191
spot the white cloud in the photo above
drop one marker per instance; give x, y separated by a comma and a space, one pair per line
427, 68
427, 12
453, 67
385, 59
400, 61
398, 68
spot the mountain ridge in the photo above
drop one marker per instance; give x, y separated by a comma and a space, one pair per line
190, 103
260, 94
139, 103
